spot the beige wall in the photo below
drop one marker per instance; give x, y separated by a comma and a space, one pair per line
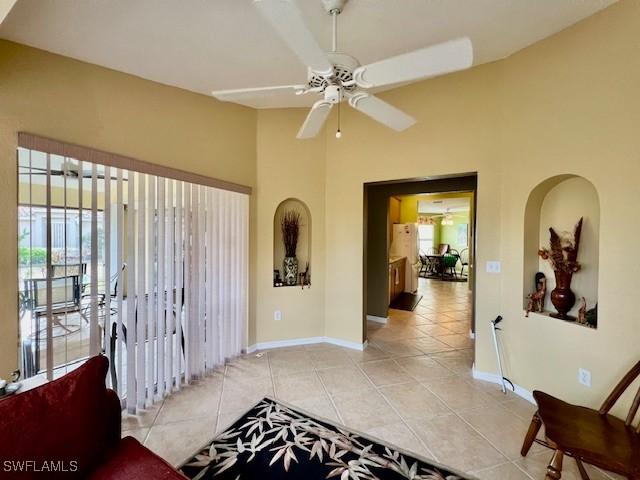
288, 168
455, 134
569, 104
76, 102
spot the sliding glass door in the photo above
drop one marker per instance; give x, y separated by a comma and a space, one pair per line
148, 270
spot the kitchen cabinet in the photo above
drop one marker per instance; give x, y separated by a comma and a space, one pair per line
397, 268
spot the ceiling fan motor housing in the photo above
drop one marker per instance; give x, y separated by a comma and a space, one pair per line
343, 67
333, 94
334, 5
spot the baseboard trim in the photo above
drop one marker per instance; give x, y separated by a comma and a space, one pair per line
493, 378
294, 342
376, 319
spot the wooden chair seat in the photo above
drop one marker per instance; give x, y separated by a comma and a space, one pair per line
584, 433
589, 436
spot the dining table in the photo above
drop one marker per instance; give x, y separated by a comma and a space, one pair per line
435, 266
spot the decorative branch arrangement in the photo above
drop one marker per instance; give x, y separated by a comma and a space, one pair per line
563, 251
290, 226
563, 257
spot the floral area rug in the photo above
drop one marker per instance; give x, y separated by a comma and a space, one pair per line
273, 441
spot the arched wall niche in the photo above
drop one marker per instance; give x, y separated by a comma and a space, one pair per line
559, 202
303, 252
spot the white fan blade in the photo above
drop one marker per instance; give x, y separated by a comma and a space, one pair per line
5, 8
381, 111
315, 120
424, 63
285, 17
257, 97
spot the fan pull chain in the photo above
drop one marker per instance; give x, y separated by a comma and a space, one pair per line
338, 132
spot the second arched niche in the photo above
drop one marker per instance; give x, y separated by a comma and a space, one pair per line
303, 247
559, 202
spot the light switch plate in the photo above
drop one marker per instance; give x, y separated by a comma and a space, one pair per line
584, 377
493, 266
277, 315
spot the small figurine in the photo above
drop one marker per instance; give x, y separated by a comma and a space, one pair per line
591, 317
536, 300
277, 280
304, 277
582, 312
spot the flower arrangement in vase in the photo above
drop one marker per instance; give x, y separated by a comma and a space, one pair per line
290, 227
562, 255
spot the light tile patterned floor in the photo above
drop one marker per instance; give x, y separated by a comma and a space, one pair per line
412, 387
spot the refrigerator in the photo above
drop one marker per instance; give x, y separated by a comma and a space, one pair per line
404, 243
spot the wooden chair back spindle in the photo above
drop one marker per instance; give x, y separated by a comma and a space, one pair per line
617, 392
633, 411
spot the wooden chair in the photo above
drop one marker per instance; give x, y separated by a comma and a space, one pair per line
590, 436
424, 265
433, 264
464, 260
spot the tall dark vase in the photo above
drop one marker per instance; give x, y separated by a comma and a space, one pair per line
290, 268
562, 297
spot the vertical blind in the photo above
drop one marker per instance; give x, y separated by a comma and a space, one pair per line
150, 270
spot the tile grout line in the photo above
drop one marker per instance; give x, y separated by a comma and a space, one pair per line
224, 380
510, 462
330, 395
522, 470
273, 382
402, 420
153, 422
326, 391
428, 355
472, 427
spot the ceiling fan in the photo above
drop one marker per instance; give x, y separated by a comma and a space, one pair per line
337, 77
447, 217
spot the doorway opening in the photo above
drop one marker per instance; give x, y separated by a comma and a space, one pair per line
419, 283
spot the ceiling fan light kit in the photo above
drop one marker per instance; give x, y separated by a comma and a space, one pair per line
338, 77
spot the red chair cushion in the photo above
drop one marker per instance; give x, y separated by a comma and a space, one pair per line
133, 461
65, 424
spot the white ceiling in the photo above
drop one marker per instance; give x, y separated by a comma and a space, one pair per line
444, 205
205, 45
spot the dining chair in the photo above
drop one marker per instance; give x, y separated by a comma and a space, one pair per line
424, 263
449, 263
589, 436
123, 332
433, 263
464, 260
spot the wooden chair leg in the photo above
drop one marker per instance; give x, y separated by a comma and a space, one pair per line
554, 470
534, 428
583, 472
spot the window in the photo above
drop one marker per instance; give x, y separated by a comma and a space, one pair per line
425, 238
150, 270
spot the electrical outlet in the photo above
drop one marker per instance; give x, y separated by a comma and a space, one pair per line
277, 315
584, 377
493, 267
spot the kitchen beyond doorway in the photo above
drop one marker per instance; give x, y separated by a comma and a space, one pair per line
419, 240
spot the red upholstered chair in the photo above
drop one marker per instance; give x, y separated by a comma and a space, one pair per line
70, 428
